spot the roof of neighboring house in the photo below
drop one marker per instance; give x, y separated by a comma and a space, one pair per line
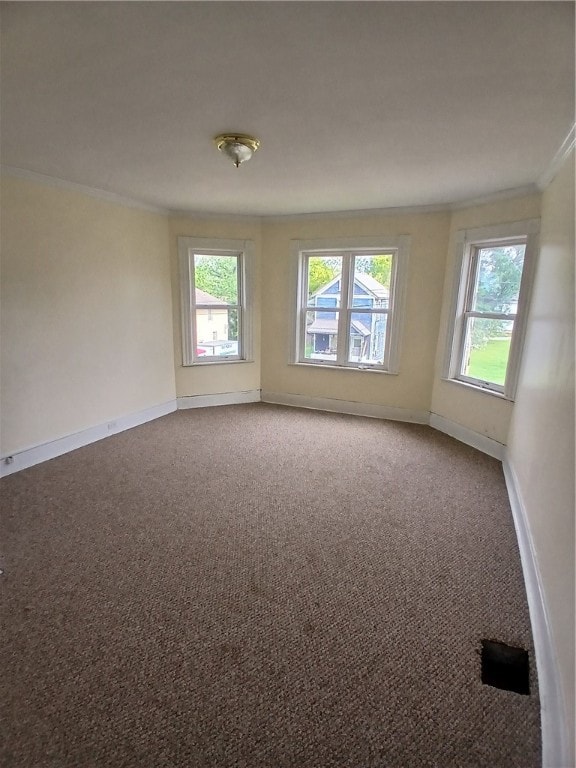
331, 326
206, 298
372, 285
368, 282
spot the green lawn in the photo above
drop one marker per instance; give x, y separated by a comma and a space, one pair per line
489, 362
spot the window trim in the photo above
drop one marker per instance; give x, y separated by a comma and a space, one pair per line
244, 250
468, 243
300, 249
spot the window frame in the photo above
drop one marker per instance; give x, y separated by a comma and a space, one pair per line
348, 249
243, 250
469, 244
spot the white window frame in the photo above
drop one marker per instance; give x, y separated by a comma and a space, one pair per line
348, 248
468, 245
244, 251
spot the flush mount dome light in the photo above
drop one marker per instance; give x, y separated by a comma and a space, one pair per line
237, 146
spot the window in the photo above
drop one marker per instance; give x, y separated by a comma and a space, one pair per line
495, 268
350, 300
216, 322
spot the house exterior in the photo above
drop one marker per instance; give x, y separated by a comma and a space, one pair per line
368, 329
212, 327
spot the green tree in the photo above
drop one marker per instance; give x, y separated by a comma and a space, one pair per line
320, 272
499, 278
498, 287
218, 276
380, 268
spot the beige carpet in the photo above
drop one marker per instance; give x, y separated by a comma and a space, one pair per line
261, 587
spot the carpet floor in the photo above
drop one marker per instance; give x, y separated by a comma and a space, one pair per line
261, 587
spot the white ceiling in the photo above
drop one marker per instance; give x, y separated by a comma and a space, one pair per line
358, 105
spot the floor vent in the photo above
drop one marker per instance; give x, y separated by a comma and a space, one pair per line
505, 667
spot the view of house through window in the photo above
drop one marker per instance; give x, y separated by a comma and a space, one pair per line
367, 283
217, 306
346, 307
215, 276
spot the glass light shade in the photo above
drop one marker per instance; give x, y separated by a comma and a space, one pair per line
237, 152
238, 147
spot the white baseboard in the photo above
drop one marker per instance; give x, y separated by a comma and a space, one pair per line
223, 398
347, 406
556, 749
464, 435
28, 457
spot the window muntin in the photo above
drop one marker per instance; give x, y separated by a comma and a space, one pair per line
346, 307
491, 307
215, 324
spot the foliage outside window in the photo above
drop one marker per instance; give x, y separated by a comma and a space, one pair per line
348, 306
215, 322
491, 312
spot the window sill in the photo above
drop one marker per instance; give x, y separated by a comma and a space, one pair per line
215, 362
322, 366
478, 388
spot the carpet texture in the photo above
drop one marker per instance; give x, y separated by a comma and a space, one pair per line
261, 587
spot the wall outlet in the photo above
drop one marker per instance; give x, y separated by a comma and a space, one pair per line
9, 460
112, 425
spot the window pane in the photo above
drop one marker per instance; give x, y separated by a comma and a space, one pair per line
217, 332
498, 279
367, 338
372, 281
321, 335
487, 349
216, 279
322, 271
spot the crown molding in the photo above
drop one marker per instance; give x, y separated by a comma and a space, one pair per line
100, 194
558, 160
357, 213
494, 197
246, 218
112, 197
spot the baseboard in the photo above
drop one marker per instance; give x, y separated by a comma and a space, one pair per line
28, 457
556, 749
222, 398
464, 435
346, 406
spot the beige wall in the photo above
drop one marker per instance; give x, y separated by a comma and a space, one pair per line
541, 441
411, 388
85, 313
480, 412
227, 377
71, 252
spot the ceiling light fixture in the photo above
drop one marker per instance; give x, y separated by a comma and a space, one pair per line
237, 146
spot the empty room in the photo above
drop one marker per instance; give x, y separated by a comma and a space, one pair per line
287, 384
